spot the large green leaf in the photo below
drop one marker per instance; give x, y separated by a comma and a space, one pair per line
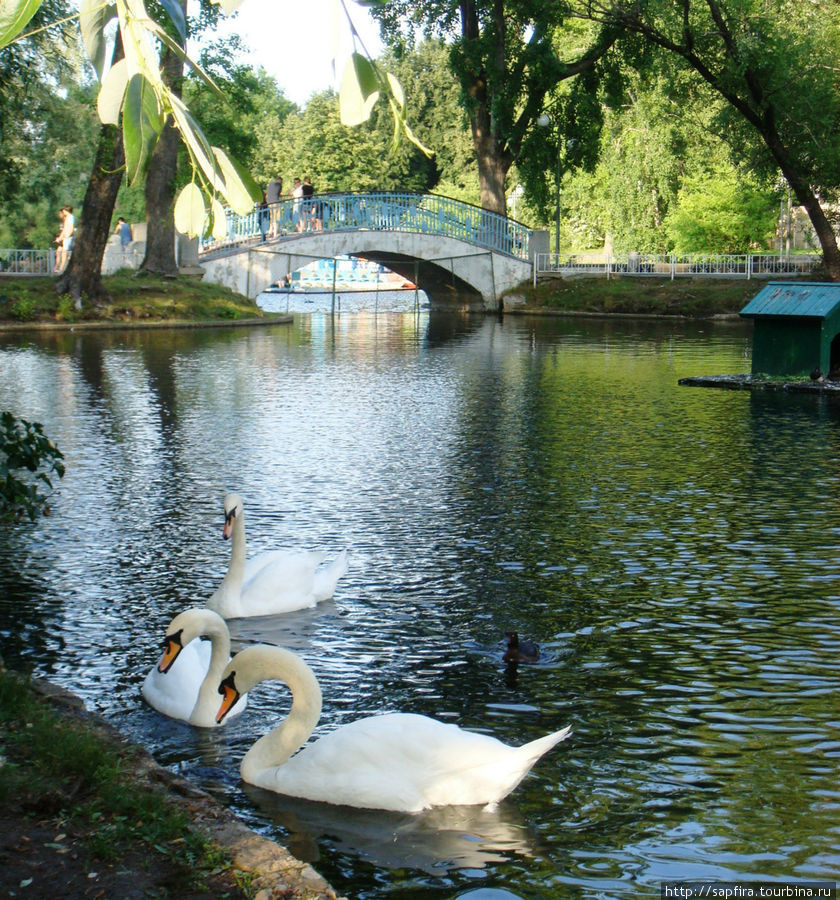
110, 99
359, 90
142, 125
189, 211
241, 191
197, 144
219, 220
141, 52
396, 90
14, 16
94, 15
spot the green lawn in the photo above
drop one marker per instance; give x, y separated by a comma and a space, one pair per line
684, 296
135, 299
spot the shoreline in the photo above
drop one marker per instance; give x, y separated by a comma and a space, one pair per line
88, 325
271, 868
606, 314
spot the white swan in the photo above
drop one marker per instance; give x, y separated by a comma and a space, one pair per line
274, 582
184, 684
397, 761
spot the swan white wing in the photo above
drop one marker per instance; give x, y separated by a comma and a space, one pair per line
282, 585
174, 694
286, 561
402, 762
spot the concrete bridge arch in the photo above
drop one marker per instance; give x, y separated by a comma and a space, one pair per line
451, 271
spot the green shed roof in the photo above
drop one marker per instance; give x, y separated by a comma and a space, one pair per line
808, 299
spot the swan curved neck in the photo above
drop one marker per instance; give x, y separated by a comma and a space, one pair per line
204, 711
237, 549
226, 596
261, 663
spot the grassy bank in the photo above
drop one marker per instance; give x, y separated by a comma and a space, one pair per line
76, 821
693, 297
149, 299
145, 298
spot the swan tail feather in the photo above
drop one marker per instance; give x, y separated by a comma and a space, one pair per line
535, 749
326, 579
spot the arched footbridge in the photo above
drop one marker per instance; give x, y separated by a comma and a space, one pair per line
459, 254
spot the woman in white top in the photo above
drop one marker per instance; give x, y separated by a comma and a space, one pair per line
66, 237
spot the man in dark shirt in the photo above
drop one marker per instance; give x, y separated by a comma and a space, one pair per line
306, 212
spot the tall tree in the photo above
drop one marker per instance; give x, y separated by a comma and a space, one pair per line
656, 142
160, 181
83, 275
506, 60
775, 64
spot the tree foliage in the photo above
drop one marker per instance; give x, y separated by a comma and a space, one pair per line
506, 59
47, 118
658, 138
717, 213
774, 63
314, 142
28, 462
252, 105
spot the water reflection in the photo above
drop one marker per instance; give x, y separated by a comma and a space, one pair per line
673, 551
436, 842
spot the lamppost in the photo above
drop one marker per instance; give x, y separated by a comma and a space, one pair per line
544, 121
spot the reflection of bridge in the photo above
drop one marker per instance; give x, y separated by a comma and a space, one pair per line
457, 253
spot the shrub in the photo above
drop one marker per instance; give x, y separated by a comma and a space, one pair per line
22, 309
27, 460
66, 310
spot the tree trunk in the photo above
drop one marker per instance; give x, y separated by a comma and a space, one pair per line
828, 242
83, 275
810, 202
492, 175
493, 162
160, 184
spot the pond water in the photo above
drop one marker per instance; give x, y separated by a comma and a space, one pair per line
343, 301
674, 550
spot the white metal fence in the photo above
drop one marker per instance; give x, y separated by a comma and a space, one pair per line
27, 262
743, 265
735, 265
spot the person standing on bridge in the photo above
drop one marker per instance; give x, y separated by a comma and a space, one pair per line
273, 193
308, 192
264, 214
297, 194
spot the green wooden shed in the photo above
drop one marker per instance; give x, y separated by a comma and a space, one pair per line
796, 328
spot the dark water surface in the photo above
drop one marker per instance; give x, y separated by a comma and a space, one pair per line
674, 550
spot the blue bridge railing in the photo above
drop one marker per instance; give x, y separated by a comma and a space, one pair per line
374, 211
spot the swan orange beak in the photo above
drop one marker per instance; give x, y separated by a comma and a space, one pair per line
229, 697
171, 648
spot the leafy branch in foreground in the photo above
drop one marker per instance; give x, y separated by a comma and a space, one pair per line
25, 448
134, 94
364, 82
